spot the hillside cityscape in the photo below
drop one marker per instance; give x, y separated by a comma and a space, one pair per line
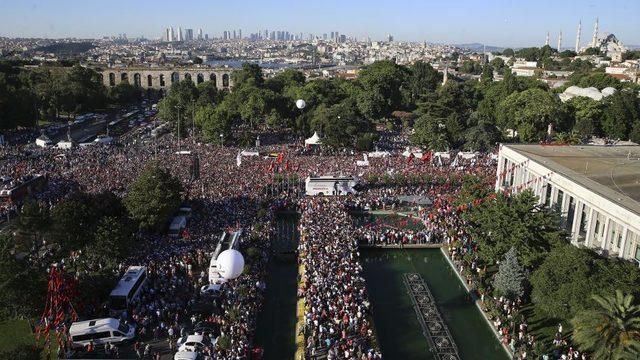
226, 191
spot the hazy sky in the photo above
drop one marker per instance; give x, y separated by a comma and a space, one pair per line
493, 22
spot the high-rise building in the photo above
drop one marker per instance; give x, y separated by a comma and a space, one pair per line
343, 38
273, 35
389, 38
200, 34
206, 36
172, 36
167, 35
240, 34
333, 35
180, 36
188, 34
225, 35
234, 35
324, 36
337, 37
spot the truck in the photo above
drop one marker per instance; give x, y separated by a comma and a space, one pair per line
331, 185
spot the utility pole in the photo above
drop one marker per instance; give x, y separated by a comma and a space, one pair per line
193, 121
178, 108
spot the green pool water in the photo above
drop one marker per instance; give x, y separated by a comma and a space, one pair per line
399, 332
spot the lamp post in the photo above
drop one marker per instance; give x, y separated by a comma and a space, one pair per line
178, 108
221, 139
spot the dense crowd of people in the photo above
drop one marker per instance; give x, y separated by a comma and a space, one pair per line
337, 310
229, 190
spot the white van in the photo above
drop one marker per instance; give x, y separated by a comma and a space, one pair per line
100, 332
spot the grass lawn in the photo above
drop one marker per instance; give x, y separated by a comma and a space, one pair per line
14, 333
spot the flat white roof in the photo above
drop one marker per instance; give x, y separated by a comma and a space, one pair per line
612, 172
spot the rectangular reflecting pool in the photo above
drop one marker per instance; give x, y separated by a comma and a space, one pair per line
276, 326
399, 332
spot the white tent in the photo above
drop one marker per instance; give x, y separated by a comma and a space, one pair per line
417, 153
364, 162
313, 140
438, 156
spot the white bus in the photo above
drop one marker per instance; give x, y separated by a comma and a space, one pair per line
100, 332
127, 289
331, 185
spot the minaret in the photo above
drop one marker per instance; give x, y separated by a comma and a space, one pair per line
594, 41
546, 42
559, 41
578, 36
446, 72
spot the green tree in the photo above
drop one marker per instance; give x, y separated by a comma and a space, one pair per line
514, 221
22, 287
430, 131
508, 52
34, 218
74, 221
215, 121
124, 93
384, 79
497, 64
487, 73
153, 198
568, 54
509, 280
250, 74
423, 78
591, 51
182, 96
621, 112
587, 114
483, 135
113, 239
530, 112
612, 330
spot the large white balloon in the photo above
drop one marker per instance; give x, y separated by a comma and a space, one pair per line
300, 104
230, 263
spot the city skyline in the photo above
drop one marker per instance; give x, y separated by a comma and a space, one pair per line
499, 23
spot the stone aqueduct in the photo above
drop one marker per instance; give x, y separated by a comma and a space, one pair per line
162, 78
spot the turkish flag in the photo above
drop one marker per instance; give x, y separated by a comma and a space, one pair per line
426, 156
410, 158
280, 158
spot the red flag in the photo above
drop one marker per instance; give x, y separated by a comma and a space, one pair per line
271, 166
426, 156
286, 165
280, 158
410, 158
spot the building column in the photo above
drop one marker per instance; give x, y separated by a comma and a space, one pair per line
577, 216
591, 224
622, 251
500, 170
605, 236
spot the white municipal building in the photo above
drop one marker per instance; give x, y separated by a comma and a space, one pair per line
596, 189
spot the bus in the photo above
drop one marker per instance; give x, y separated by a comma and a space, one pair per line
331, 185
127, 289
